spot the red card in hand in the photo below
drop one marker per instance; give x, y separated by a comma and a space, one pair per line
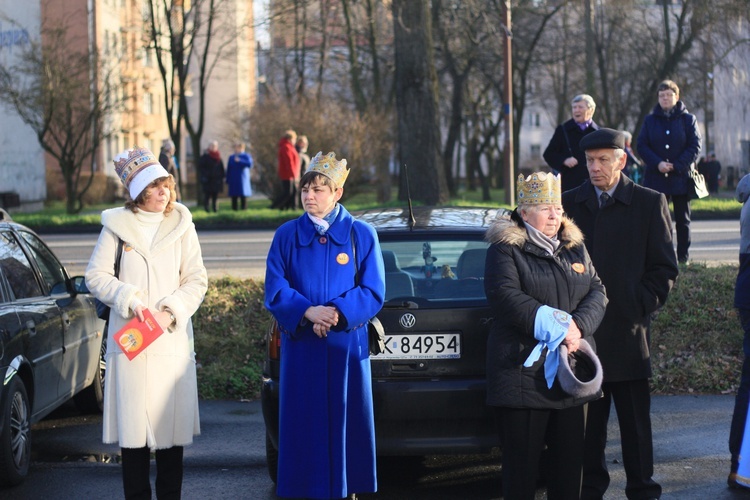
136, 335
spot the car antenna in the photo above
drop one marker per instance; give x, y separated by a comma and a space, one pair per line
412, 220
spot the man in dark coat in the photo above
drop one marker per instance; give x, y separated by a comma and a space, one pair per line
563, 154
630, 242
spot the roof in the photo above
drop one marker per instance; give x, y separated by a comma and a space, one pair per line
429, 218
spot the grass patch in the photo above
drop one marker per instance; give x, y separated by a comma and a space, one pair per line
696, 339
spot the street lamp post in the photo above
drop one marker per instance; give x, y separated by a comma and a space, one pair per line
508, 182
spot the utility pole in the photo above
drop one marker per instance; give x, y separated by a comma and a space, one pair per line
508, 181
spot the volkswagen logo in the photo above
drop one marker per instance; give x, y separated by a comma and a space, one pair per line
407, 320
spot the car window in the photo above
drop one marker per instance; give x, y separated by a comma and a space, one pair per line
437, 270
17, 268
52, 270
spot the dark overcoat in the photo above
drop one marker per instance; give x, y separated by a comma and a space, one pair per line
563, 145
326, 420
520, 277
630, 243
670, 137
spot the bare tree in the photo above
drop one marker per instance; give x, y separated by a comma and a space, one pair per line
416, 102
189, 45
66, 96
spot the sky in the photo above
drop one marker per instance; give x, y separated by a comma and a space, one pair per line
260, 13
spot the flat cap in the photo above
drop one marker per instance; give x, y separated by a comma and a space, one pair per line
604, 138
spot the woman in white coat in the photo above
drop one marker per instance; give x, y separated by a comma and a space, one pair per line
151, 401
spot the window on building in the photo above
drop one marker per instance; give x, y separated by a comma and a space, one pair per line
148, 103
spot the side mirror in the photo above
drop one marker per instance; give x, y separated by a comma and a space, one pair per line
79, 284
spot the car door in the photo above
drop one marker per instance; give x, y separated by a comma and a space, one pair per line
79, 334
40, 319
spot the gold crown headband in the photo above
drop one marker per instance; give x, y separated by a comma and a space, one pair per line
136, 160
328, 166
540, 188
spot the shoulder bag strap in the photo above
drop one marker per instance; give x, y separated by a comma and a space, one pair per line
118, 257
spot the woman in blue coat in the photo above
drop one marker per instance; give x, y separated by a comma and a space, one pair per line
669, 144
326, 422
238, 175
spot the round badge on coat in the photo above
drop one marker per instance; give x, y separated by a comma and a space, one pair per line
578, 267
342, 258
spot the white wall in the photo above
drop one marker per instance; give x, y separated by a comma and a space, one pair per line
22, 165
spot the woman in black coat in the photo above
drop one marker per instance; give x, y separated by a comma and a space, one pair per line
669, 144
211, 169
545, 295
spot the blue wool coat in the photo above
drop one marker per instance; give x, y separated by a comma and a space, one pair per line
674, 138
326, 423
238, 174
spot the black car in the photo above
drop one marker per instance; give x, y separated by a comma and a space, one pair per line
50, 343
429, 385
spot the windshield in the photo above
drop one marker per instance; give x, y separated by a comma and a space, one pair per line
436, 270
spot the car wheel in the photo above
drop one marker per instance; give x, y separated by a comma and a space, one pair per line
272, 458
15, 436
91, 399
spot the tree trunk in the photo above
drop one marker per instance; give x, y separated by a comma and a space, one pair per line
416, 103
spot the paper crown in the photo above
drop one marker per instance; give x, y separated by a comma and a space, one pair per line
137, 168
328, 166
540, 188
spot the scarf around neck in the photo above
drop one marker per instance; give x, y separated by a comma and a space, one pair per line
541, 240
322, 225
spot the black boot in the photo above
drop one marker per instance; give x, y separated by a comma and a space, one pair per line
136, 465
169, 473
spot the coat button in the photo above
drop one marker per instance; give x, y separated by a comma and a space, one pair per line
667, 146
323, 240
667, 132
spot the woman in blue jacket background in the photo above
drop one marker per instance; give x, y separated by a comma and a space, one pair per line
238, 175
326, 422
669, 143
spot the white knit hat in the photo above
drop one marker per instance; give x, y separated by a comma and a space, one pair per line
137, 168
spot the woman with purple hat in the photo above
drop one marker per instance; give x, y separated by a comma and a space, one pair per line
151, 401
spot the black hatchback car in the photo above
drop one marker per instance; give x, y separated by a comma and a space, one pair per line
50, 343
429, 385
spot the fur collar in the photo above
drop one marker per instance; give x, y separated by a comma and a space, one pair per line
509, 229
122, 223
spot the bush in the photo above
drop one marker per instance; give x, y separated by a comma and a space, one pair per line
696, 339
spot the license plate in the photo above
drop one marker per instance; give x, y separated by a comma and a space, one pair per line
422, 346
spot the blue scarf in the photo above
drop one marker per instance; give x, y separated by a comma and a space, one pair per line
322, 225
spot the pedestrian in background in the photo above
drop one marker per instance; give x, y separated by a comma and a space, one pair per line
669, 144
711, 170
238, 176
211, 169
633, 167
151, 401
629, 236
563, 154
167, 160
288, 172
742, 303
324, 281
545, 294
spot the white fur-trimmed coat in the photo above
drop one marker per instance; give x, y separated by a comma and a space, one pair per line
151, 400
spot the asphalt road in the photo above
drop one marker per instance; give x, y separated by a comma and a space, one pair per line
228, 459
242, 253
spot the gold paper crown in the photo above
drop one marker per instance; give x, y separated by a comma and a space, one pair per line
540, 188
136, 160
328, 166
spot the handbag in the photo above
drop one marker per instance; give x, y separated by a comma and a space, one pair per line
102, 309
696, 184
375, 330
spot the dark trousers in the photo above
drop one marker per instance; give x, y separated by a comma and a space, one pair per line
523, 434
741, 401
681, 207
136, 465
287, 198
210, 197
633, 405
243, 202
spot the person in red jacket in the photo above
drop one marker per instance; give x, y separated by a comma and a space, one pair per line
288, 171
